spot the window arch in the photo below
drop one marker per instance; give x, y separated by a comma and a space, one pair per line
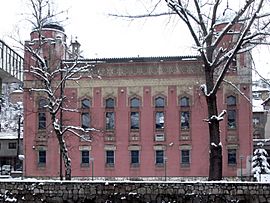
135, 102
159, 102
42, 103
85, 103
231, 100
184, 102
109, 103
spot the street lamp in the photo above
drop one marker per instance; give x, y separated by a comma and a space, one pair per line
241, 168
92, 164
165, 167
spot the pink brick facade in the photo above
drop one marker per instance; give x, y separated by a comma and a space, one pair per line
153, 128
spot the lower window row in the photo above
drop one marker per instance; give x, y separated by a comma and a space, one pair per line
160, 158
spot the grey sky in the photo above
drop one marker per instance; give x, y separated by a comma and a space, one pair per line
104, 36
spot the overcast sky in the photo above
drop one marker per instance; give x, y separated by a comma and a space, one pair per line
104, 36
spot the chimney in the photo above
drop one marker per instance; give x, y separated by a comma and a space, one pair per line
75, 49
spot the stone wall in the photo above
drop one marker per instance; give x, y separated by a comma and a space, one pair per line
133, 192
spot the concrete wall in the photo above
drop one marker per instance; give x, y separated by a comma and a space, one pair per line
152, 192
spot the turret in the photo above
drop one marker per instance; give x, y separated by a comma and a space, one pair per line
50, 43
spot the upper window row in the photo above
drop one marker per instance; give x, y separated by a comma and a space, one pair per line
136, 103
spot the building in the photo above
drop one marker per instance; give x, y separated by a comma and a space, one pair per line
261, 115
11, 134
11, 74
149, 115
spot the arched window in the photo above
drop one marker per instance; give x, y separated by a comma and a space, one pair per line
159, 114
134, 103
134, 114
85, 113
231, 112
85, 103
159, 102
109, 103
231, 100
109, 114
184, 102
42, 103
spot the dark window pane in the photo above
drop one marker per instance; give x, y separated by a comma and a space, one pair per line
86, 104
184, 102
185, 157
231, 156
85, 157
185, 120
134, 103
159, 120
42, 157
110, 157
231, 115
159, 157
85, 120
134, 120
12, 145
135, 156
231, 101
110, 103
109, 120
41, 120
159, 102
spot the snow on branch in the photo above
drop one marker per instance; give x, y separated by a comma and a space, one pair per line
216, 118
203, 88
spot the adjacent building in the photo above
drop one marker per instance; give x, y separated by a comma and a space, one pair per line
148, 112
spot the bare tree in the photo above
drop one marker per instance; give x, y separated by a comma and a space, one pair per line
249, 25
50, 74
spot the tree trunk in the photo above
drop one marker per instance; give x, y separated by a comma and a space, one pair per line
215, 167
63, 149
65, 156
215, 147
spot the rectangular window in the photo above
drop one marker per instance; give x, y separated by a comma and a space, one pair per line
159, 157
256, 121
85, 157
41, 120
159, 120
41, 157
231, 115
185, 157
134, 156
185, 120
109, 120
12, 145
110, 157
231, 156
85, 120
134, 120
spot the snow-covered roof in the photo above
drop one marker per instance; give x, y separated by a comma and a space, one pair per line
257, 105
140, 59
256, 88
9, 136
17, 91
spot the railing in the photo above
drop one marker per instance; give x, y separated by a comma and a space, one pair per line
10, 62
